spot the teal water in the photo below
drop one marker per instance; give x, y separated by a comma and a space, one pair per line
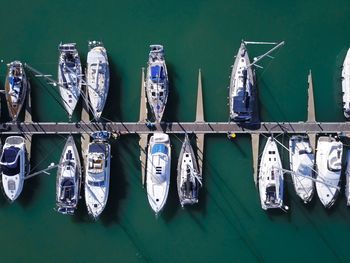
228, 225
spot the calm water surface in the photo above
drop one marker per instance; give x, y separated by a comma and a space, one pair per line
228, 225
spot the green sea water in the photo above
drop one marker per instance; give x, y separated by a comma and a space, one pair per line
228, 224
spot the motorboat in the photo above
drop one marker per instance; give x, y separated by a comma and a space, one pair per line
301, 160
242, 87
345, 81
270, 177
68, 179
157, 83
158, 170
16, 87
328, 164
97, 77
97, 173
189, 180
13, 164
69, 76
347, 176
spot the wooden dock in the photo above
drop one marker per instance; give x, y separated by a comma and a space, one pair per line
200, 119
311, 115
143, 137
28, 119
174, 127
255, 151
85, 118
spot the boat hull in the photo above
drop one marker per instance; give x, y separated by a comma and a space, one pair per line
157, 82
16, 86
69, 76
97, 79
345, 74
187, 171
68, 179
347, 176
328, 151
302, 164
13, 172
158, 171
270, 179
97, 176
242, 92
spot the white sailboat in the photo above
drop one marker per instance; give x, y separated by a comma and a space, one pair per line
69, 76
158, 170
189, 180
97, 173
270, 179
68, 179
301, 160
242, 89
328, 163
13, 163
345, 81
157, 83
97, 77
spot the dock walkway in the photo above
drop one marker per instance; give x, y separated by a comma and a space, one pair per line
173, 127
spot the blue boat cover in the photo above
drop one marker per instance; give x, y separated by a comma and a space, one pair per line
161, 148
157, 73
9, 156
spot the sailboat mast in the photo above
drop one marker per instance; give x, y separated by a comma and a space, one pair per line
266, 54
39, 74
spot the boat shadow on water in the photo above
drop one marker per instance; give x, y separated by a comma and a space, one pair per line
172, 205
112, 109
171, 108
31, 186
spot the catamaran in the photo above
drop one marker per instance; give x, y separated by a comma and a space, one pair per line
345, 81
16, 86
158, 170
13, 163
157, 83
69, 76
97, 77
242, 89
301, 160
328, 163
270, 177
68, 179
189, 180
97, 173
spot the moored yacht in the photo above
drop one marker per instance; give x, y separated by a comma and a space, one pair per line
158, 170
301, 160
69, 76
13, 163
270, 177
97, 77
328, 163
345, 81
242, 87
16, 86
189, 180
68, 179
97, 173
157, 83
